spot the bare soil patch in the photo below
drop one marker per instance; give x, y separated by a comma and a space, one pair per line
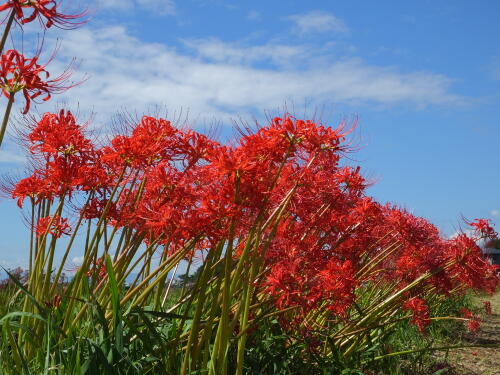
479, 361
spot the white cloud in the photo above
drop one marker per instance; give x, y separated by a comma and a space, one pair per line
117, 5
495, 213
318, 22
223, 78
232, 53
11, 264
10, 157
253, 15
77, 261
496, 72
493, 68
161, 7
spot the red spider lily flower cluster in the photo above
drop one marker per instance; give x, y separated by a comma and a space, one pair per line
421, 314
55, 303
487, 307
483, 229
473, 321
46, 11
67, 160
98, 269
34, 187
18, 73
179, 186
55, 225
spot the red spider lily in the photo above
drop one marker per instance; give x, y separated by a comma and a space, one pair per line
98, 269
473, 325
35, 187
337, 283
18, 73
46, 11
483, 228
487, 307
55, 225
471, 267
65, 160
55, 303
156, 140
473, 321
180, 185
95, 209
150, 142
421, 316
59, 134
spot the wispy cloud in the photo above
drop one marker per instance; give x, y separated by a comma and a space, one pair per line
318, 22
254, 15
496, 72
11, 264
10, 157
495, 213
160, 6
232, 53
155, 6
117, 5
221, 78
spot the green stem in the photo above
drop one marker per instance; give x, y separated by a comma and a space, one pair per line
32, 235
88, 256
6, 117
222, 337
68, 248
6, 31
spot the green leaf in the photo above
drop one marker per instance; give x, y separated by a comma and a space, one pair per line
115, 301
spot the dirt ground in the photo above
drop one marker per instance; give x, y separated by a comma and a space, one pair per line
480, 361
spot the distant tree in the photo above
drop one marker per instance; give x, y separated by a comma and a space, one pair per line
493, 244
189, 279
186, 279
17, 273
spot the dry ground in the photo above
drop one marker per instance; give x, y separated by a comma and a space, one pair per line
480, 361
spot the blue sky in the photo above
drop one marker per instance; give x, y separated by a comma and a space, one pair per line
422, 78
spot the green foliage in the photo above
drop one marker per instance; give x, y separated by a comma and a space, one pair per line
126, 339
